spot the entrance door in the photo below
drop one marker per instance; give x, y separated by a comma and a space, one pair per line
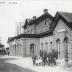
32, 49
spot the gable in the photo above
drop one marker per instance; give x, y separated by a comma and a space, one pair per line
61, 26
43, 26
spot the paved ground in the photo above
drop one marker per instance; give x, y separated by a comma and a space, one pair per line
25, 64
8, 67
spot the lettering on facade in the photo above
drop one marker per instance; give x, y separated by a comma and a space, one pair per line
61, 30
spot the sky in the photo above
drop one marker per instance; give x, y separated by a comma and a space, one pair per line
13, 11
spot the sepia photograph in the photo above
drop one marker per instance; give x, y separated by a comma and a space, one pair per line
35, 35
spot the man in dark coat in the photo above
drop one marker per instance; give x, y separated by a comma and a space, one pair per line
51, 58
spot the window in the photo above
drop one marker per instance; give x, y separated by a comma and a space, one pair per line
58, 47
50, 42
46, 42
46, 46
28, 31
45, 22
41, 46
15, 45
31, 31
41, 43
51, 45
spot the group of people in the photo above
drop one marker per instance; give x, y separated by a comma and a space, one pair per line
45, 58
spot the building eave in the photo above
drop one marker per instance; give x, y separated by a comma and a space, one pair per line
47, 33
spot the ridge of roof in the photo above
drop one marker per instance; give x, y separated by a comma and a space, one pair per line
39, 19
67, 16
63, 17
43, 15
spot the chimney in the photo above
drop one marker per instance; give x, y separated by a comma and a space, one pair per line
45, 11
34, 17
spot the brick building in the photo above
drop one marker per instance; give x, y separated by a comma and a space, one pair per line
44, 33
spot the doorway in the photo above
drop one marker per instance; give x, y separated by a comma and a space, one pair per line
32, 48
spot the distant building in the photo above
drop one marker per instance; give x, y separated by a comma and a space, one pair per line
2, 50
44, 34
7, 51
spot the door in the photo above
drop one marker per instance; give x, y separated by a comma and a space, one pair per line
32, 49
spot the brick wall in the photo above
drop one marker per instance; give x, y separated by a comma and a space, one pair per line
59, 33
36, 43
38, 28
43, 26
46, 43
30, 29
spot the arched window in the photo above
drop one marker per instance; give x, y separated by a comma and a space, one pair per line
58, 40
31, 31
45, 22
46, 43
51, 44
66, 47
58, 47
46, 46
42, 46
66, 39
32, 48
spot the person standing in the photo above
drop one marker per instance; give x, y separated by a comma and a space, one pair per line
33, 59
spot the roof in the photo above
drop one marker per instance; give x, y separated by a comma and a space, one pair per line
66, 17
23, 36
38, 20
47, 33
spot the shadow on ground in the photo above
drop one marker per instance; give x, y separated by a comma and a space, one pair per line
7, 67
